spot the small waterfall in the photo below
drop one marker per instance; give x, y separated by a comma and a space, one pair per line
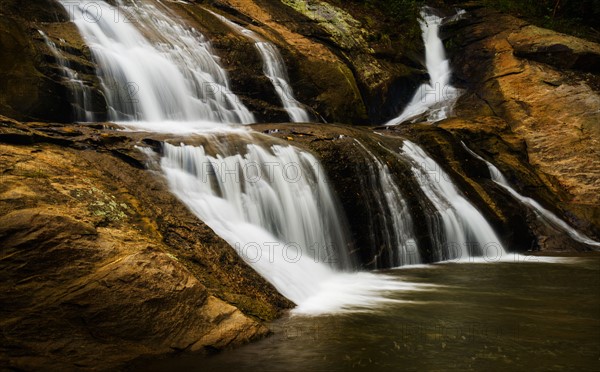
281, 190
175, 77
274, 68
397, 231
274, 206
458, 229
543, 213
434, 100
81, 93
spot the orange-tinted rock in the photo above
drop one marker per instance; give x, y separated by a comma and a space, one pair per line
101, 265
515, 72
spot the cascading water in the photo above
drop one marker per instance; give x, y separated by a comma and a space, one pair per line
434, 100
542, 212
293, 203
82, 95
285, 225
458, 229
275, 208
397, 226
288, 230
274, 68
175, 77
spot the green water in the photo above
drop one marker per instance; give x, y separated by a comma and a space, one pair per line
481, 317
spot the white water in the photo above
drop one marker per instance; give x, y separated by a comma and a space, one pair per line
273, 205
542, 212
434, 100
275, 208
82, 96
176, 76
397, 230
274, 68
465, 231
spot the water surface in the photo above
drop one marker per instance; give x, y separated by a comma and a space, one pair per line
523, 315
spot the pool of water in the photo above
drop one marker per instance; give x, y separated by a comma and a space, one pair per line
533, 314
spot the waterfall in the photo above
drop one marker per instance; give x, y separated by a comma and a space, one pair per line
271, 202
274, 68
81, 93
434, 100
174, 77
458, 229
543, 213
274, 206
397, 231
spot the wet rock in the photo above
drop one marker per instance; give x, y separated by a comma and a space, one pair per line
32, 84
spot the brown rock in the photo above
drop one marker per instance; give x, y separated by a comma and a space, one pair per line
555, 112
90, 278
559, 50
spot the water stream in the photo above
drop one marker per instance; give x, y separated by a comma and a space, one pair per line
81, 94
396, 229
433, 100
543, 213
274, 68
458, 229
152, 67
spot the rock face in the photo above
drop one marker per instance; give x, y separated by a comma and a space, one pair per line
558, 50
100, 264
513, 71
386, 71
